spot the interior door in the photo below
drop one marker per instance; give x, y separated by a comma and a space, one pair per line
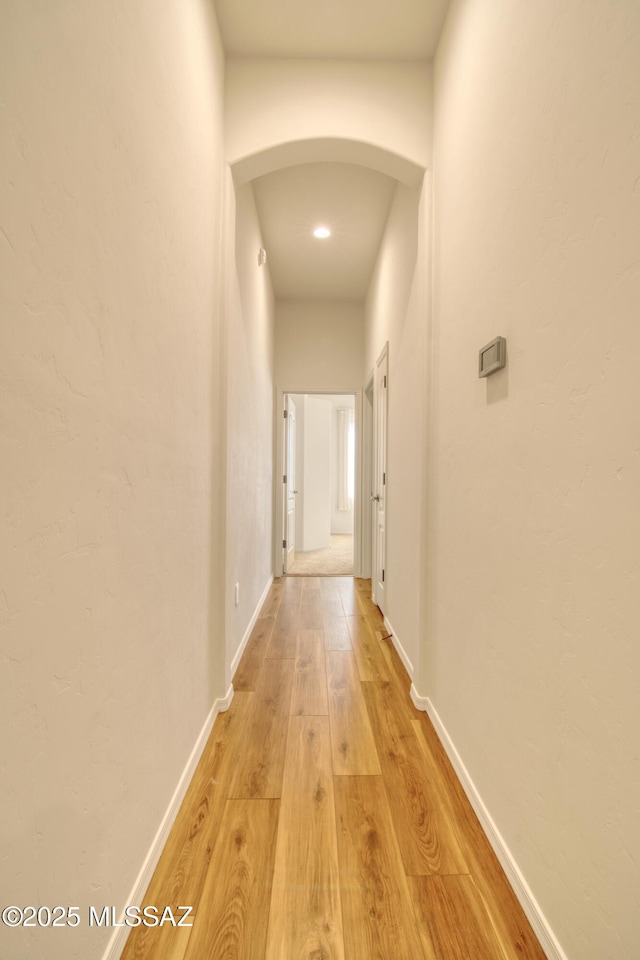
290, 483
379, 493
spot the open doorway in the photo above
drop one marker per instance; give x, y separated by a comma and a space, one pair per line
319, 484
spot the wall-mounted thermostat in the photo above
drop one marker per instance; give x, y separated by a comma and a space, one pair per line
492, 357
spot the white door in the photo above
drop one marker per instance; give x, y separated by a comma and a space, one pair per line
379, 492
290, 484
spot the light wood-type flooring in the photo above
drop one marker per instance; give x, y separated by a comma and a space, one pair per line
324, 821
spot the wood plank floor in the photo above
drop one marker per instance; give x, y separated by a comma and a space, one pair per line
324, 821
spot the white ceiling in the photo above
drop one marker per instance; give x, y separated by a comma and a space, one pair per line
349, 29
352, 201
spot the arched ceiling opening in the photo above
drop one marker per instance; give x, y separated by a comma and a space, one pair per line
328, 108
328, 149
347, 186
351, 201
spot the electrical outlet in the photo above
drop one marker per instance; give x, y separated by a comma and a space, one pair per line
237, 594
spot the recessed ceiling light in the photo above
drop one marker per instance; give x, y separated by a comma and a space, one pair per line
322, 233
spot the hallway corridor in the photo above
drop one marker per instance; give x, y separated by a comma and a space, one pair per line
324, 819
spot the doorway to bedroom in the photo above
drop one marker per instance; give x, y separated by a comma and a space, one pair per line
319, 478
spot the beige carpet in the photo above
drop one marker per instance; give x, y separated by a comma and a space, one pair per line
336, 560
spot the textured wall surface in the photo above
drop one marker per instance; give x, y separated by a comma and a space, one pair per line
110, 153
396, 312
318, 346
249, 533
534, 665
383, 104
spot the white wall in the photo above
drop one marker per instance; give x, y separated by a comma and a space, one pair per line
270, 102
111, 153
250, 333
318, 346
534, 661
396, 311
315, 480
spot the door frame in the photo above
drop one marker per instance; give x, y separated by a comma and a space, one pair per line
278, 459
365, 451
382, 358
288, 554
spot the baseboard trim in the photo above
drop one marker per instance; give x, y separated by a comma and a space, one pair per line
120, 934
420, 703
402, 653
528, 902
247, 633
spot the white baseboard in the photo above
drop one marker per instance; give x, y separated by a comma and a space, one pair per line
528, 902
420, 703
120, 934
402, 653
247, 633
